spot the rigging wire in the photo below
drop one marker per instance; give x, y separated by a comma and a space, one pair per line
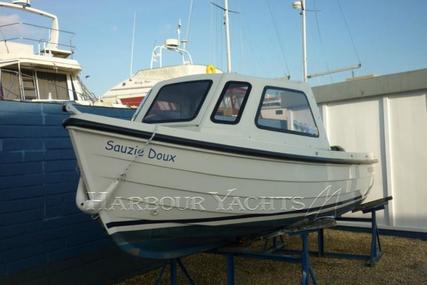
319, 34
276, 30
349, 31
240, 62
218, 37
252, 63
190, 14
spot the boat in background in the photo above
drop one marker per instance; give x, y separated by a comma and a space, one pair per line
131, 91
209, 159
35, 65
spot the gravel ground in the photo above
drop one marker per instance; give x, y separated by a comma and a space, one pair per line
404, 262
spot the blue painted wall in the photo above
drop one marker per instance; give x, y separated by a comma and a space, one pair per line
39, 222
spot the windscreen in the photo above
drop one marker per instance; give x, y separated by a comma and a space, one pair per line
178, 102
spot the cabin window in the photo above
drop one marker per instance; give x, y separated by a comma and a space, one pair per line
10, 89
53, 86
35, 85
178, 102
10, 85
231, 103
286, 111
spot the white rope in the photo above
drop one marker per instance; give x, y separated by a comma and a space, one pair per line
123, 175
94, 206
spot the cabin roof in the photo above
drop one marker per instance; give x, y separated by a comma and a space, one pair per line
253, 80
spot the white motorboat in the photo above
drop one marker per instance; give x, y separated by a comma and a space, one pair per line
208, 159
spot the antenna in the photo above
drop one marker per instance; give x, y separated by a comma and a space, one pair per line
178, 30
171, 45
132, 45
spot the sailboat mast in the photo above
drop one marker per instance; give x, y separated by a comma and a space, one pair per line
227, 34
300, 5
304, 41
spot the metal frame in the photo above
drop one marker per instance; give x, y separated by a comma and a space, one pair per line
173, 272
375, 253
307, 272
277, 252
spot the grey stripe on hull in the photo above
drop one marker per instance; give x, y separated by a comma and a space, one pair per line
332, 209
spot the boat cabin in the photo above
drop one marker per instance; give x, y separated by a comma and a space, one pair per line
27, 83
276, 110
35, 65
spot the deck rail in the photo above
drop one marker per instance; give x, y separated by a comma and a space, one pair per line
36, 35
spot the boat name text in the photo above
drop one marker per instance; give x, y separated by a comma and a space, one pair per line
137, 151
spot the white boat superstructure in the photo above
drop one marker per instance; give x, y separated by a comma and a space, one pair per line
211, 158
130, 92
35, 65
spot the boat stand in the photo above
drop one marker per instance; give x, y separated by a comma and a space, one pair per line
173, 272
276, 253
375, 252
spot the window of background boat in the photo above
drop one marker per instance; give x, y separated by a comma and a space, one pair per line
286, 110
10, 85
178, 102
231, 103
53, 85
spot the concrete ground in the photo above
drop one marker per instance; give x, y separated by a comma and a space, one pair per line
404, 262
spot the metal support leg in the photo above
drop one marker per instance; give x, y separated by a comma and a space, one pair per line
230, 269
307, 272
375, 241
162, 271
184, 270
320, 243
173, 271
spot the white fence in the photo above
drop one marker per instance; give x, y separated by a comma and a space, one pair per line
385, 115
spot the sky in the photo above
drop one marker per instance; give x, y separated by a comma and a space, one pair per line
385, 36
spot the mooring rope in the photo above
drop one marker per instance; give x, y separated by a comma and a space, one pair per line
123, 175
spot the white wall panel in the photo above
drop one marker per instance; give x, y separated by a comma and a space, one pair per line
394, 128
408, 133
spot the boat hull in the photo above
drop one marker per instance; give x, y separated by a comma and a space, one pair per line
174, 242
172, 200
